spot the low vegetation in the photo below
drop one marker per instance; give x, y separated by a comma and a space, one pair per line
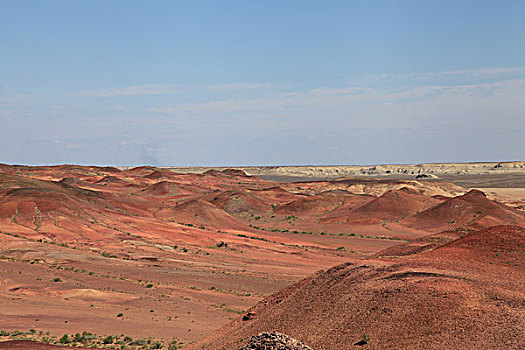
91, 340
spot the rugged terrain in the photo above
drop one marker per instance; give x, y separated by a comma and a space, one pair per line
500, 173
152, 256
468, 293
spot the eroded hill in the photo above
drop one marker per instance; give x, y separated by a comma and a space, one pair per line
468, 293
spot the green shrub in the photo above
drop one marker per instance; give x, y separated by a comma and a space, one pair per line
174, 345
138, 342
64, 339
108, 340
79, 338
156, 345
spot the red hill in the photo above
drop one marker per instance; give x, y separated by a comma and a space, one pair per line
72, 181
472, 209
140, 170
199, 212
447, 298
274, 193
157, 175
392, 205
111, 180
315, 204
165, 188
237, 203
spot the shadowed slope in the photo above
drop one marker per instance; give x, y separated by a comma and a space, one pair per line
237, 203
198, 212
32, 345
315, 204
473, 209
449, 297
165, 188
393, 205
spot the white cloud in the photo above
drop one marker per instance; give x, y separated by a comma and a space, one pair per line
73, 145
151, 89
236, 87
368, 107
481, 72
452, 75
118, 108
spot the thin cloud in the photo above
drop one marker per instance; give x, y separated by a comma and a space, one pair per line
480, 73
324, 98
236, 87
151, 89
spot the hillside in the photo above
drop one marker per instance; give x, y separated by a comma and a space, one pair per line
472, 209
448, 297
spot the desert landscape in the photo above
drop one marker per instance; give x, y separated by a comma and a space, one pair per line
262, 175
147, 258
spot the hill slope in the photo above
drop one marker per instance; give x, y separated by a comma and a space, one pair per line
472, 209
446, 298
393, 205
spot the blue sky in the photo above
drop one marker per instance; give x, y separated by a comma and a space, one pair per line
261, 82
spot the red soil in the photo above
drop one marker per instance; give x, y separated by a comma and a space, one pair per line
392, 205
211, 245
452, 296
199, 212
237, 202
472, 209
314, 205
166, 188
111, 180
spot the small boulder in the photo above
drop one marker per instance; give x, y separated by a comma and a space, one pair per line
274, 341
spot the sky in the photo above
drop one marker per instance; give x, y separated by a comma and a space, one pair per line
186, 83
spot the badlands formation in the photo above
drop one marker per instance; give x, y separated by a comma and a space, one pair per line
432, 170
263, 257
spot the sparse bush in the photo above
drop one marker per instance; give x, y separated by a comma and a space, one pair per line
79, 338
156, 345
174, 345
108, 340
64, 339
138, 342
57, 279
